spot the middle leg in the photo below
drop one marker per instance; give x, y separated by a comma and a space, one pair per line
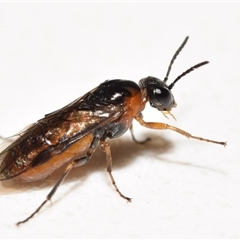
105, 146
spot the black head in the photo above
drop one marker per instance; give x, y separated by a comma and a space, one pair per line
159, 95
158, 92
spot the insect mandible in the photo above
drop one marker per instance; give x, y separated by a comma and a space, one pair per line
106, 112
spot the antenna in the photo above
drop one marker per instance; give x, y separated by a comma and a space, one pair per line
186, 72
174, 58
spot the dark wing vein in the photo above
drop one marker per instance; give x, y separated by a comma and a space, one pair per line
57, 130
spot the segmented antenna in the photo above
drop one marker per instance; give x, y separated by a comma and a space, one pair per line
174, 58
186, 72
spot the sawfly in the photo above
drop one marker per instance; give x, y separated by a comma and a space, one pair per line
71, 134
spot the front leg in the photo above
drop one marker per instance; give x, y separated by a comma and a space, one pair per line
135, 140
164, 126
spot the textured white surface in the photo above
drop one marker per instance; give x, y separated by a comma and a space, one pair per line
52, 53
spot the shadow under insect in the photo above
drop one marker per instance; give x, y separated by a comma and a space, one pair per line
124, 152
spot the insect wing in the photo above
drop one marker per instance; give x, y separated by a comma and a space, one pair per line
12, 156
52, 135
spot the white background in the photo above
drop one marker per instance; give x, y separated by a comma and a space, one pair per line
52, 53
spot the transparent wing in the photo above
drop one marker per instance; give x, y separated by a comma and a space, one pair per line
52, 135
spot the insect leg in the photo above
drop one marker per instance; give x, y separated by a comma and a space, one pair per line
70, 166
164, 126
105, 146
49, 196
135, 140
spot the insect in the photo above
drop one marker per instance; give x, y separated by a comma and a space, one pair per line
106, 112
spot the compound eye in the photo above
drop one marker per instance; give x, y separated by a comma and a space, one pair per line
163, 96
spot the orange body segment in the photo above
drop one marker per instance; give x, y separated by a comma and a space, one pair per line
71, 153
